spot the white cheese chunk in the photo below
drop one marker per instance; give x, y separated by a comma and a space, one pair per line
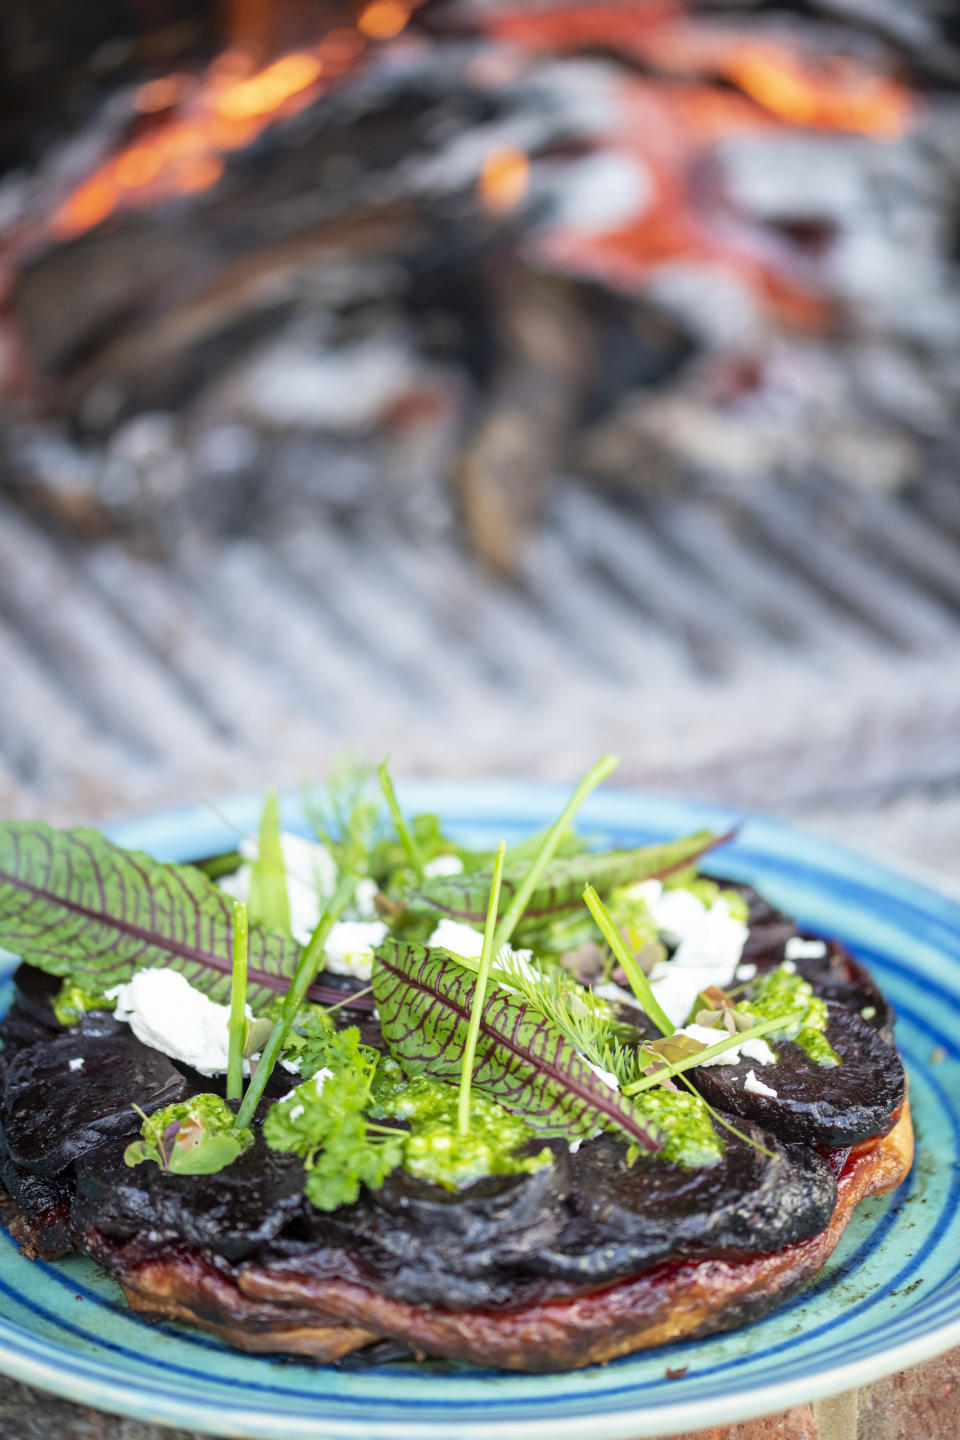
320, 1079
350, 945
758, 1049
709, 943
746, 972
76, 1063
364, 895
462, 939
311, 875
459, 938
607, 1076
167, 1013
797, 948
296, 1111
443, 865
757, 1087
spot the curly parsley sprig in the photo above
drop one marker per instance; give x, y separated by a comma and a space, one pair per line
323, 1120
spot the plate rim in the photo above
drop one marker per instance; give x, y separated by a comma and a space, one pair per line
70, 1376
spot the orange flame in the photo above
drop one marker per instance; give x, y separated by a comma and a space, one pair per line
504, 181
832, 92
201, 120
797, 84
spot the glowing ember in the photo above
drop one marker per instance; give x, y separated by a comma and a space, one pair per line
504, 181
200, 120
831, 93
382, 19
802, 86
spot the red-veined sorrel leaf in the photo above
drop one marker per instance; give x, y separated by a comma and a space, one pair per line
464, 897
522, 1060
77, 906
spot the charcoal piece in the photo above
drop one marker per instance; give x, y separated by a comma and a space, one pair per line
231, 1213
625, 1218
52, 1113
828, 1105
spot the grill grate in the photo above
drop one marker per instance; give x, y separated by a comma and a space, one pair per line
782, 647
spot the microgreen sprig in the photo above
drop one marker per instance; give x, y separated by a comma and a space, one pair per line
639, 983
310, 962
238, 1003
405, 834
479, 992
269, 898
764, 1027
548, 847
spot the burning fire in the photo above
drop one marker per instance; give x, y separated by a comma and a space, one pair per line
191, 123
504, 181
802, 86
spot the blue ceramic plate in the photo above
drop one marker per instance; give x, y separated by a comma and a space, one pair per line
889, 1297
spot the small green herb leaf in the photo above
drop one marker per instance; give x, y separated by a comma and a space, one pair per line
191, 1137
323, 1121
269, 902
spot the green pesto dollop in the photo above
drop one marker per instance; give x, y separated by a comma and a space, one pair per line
436, 1150
686, 1130
73, 1001
780, 990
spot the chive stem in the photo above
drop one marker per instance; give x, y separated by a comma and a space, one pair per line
238, 1003
480, 992
667, 1072
310, 962
407, 838
549, 844
639, 983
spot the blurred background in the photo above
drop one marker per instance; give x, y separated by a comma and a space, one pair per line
493, 385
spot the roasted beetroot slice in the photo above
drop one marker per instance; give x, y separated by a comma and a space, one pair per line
454, 1248
51, 1114
232, 1213
815, 1104
839, 978
624, 1218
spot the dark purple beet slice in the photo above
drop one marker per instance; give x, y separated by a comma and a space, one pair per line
232, 1213
451, 1247
51, 1114
624, 1218
816, 1104
839, 978
43, 1202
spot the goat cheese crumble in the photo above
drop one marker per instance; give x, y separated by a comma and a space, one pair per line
350, 946
167, 1013
311, 875
797, 948
462, 939
607, 1076
709, 942
754, 1049
441, 866
76, 1063
757, 1087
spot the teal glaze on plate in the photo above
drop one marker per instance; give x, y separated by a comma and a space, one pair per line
889, 1297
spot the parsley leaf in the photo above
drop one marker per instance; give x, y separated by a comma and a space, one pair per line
323, 1121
